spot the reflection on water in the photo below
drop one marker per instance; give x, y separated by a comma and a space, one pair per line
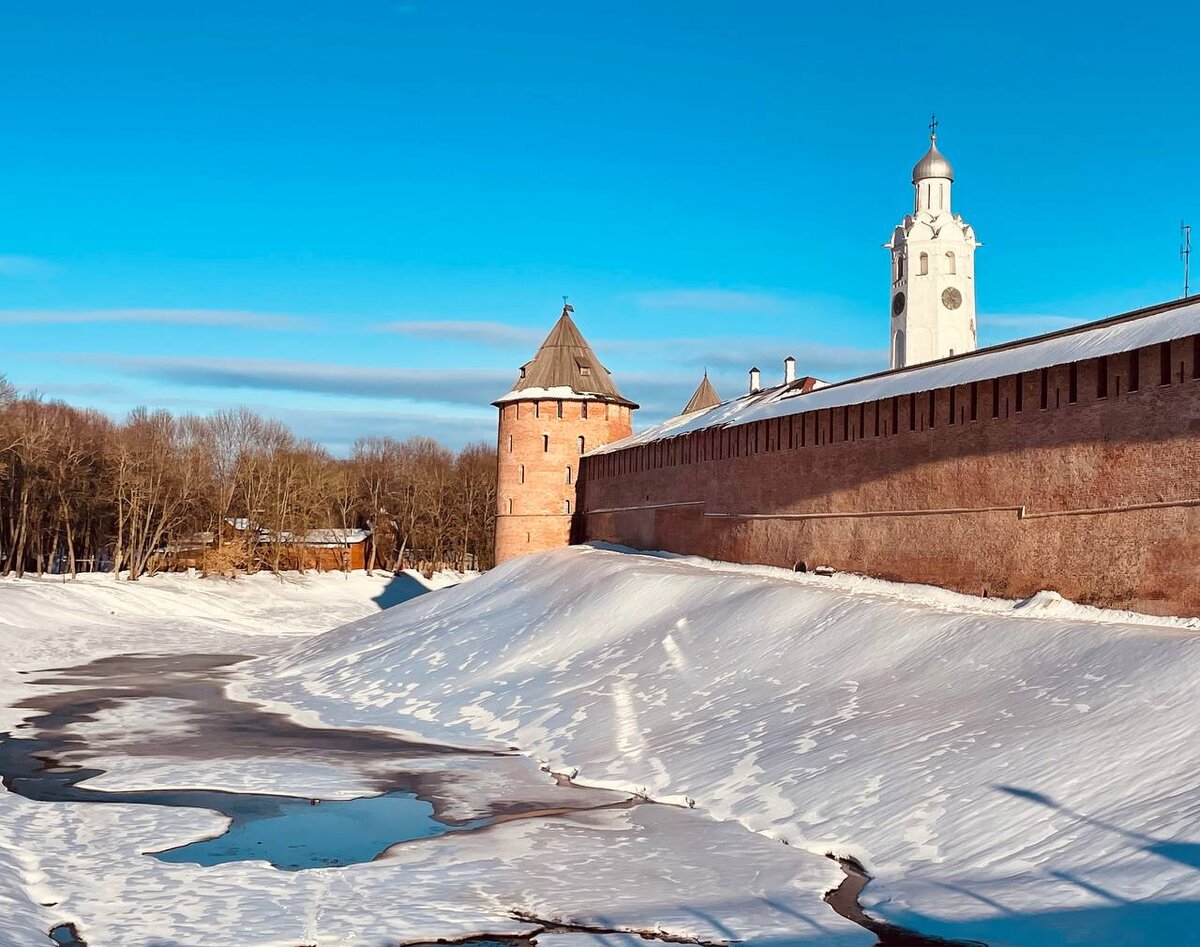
298, 833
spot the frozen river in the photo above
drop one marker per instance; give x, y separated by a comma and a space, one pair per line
177, 707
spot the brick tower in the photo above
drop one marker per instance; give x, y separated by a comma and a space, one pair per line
563, 403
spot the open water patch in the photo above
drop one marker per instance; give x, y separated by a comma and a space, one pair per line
294, 834
417, 785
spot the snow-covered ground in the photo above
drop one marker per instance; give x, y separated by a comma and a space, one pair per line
1011, 774
640, 867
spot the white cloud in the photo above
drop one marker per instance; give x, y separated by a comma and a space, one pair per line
713, 300
1045, 323
17, 265
466, 330
476, 387
181, 317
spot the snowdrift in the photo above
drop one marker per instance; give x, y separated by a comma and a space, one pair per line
1016, 775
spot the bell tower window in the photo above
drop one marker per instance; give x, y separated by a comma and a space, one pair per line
924, 265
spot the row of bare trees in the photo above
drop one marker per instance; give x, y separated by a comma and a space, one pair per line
81, 492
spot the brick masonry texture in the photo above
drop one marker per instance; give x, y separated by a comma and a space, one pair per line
1095, 495
538, 443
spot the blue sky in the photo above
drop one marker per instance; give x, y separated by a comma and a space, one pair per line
360, 217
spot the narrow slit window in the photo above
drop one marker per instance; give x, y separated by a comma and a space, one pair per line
581, 443
1045, 388
545, 443
896, 411
1196, 356
510, 443
560, 409
568, 474
1020, 392
932, 409
912, 411
1135, 370
1102, 377
567, 507
995, 398
1073, 383
1164, 361
521, 474
953, 405
974, 401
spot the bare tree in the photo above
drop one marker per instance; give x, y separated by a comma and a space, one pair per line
233, 490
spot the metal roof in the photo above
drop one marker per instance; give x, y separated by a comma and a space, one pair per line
1152, 325
705, 396
566, 361
933, 165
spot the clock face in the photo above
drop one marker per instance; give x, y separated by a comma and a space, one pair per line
951, 298
897, 304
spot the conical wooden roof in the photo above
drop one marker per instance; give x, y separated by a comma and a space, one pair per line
565, 360
705, 396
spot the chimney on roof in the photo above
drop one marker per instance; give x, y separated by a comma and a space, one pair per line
789, 370
755, 380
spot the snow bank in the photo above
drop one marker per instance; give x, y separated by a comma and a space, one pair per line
87, 864
1018, 775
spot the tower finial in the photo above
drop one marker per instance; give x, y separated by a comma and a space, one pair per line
933, 124
567, 307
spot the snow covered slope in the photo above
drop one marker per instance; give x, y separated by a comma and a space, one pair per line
1016, 775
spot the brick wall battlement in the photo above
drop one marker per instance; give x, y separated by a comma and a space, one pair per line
1083, 477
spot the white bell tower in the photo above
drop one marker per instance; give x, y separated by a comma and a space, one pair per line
933, 269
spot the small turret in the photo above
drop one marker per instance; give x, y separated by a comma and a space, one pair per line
705, 396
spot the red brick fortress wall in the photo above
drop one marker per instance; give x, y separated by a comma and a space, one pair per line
1062, 478
538, 443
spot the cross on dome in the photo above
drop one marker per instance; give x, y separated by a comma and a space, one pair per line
934, 164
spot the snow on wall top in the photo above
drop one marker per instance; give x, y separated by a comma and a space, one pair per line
1107, 337
555, 393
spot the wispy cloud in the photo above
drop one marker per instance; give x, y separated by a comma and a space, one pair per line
1045, 323
338, 430
812, 358
466, 330
180, 317
451, 386
17, 265
712, 300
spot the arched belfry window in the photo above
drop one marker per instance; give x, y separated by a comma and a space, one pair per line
951, 266
898, 349
568, 474
510, 505
924, 264
581, 443
567, 507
